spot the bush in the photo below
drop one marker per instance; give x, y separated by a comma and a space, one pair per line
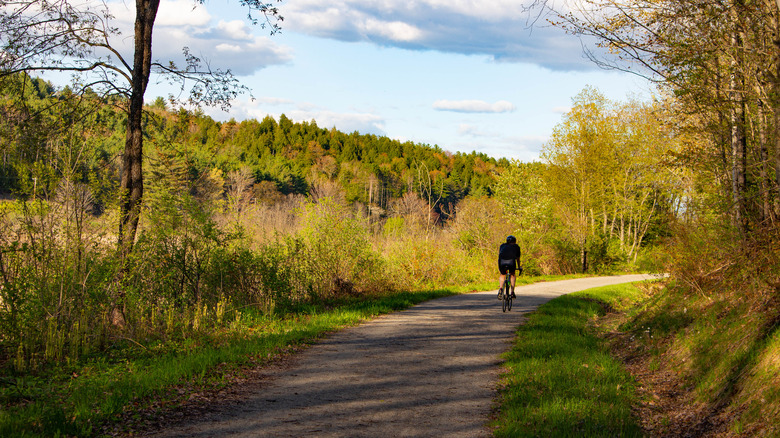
339, 257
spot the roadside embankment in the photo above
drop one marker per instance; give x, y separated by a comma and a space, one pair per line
679, 358
706, 357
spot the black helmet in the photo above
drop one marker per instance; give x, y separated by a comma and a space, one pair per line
511, 239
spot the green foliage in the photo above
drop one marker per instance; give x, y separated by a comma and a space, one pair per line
601, 187
339, 257
51, 288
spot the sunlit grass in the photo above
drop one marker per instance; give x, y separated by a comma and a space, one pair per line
75, 399
561, 380
724, 346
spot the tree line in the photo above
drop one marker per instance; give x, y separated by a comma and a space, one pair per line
604, 193
269, 158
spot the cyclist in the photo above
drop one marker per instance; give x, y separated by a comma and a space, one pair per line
508, 262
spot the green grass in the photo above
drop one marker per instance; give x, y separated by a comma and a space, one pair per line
75, 399
723, 343
561, 380
78, 398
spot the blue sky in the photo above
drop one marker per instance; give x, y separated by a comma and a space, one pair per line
466, 75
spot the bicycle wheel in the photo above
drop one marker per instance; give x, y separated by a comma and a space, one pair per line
507, 301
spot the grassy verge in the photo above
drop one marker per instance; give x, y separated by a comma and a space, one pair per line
77, 399
561, 380
80, 398
722, 345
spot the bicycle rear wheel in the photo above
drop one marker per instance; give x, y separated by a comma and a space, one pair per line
506, 303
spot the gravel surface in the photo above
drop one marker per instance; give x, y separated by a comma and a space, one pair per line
430, 371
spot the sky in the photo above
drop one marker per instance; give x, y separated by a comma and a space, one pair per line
465, 75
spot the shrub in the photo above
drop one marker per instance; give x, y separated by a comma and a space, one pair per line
339, 257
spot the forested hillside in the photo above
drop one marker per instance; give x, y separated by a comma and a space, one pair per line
279, 157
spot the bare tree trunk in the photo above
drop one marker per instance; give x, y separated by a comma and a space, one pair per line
775, 102
584, 256
737, 168
777, 152
132, 185
765, 183
738, 144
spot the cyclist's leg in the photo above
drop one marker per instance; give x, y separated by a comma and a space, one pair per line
501, 278
514, 277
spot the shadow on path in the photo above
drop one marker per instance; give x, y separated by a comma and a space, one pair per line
429, 371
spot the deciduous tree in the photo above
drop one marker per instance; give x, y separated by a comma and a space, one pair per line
65, 36
604, 171
721, 60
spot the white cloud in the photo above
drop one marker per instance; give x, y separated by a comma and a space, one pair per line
497, 145
228, 48
235, 29
365, 123
273, 101
232, 44
502, 29
181, 13
243, 109
474, 106
242, 57
466, 129
394, 31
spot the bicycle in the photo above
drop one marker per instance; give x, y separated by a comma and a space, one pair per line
506, 302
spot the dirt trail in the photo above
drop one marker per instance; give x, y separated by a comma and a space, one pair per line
430, 371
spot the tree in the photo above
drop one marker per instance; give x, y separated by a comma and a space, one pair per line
578, 158
721, 60
604, 171
45, 35
527, 205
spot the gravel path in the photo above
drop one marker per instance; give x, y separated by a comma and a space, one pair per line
430, 371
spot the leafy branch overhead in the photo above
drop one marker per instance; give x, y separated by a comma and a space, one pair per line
62, 36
